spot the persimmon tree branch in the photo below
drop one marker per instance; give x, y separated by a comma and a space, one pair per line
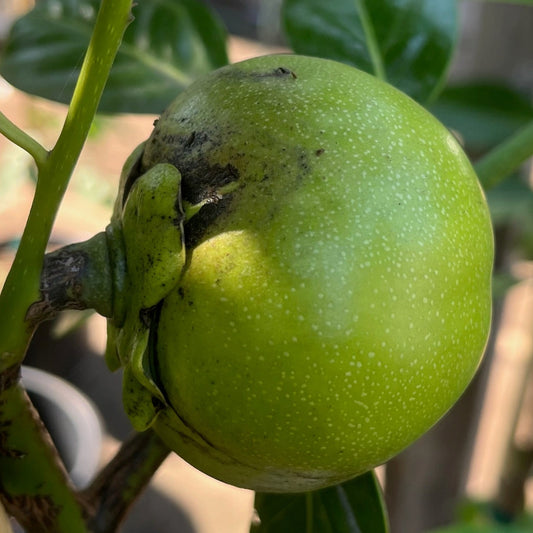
122, 480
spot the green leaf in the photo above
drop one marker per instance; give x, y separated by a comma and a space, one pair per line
511, 204
168, 45
484, 114
488, 528
526, 2
484, 517
511, 200
407, 42
353, 507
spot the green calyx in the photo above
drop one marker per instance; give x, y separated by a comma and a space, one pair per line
146, 240
150, 226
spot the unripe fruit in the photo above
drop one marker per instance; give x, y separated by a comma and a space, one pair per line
336, 294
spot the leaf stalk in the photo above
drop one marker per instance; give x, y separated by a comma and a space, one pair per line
22, 139
505, 158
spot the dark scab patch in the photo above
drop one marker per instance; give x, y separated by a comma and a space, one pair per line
319, 152
195, 139
284, 71
280, 72
198, 225
200, 180
190, 141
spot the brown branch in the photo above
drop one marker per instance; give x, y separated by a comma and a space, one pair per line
122, 480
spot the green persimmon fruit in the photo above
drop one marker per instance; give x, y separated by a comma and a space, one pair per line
335, 297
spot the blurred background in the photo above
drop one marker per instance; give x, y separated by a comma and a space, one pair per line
482, 451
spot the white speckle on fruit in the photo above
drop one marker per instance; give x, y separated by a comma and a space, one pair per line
335, 297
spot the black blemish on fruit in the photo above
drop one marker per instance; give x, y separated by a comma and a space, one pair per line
200, 179
284, 71
195, 139
200, 182
181, 294
319, 152
190, 141
197, 227
281, 73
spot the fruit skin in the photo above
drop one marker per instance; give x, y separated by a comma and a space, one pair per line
336, 296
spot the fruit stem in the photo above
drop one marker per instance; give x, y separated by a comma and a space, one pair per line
505, 158
78, 276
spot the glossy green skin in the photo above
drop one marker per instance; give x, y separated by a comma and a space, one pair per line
337, 300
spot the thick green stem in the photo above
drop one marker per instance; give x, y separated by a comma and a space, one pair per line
34, 486
22, 284
505, 158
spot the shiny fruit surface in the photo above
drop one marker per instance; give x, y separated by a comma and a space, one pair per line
336, 296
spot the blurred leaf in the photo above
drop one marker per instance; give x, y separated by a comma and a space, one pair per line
486, 528
511, 200
486, 524
353, 507
410, 41
511, 204
484, 114
167, 46
527, 2
482, 517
